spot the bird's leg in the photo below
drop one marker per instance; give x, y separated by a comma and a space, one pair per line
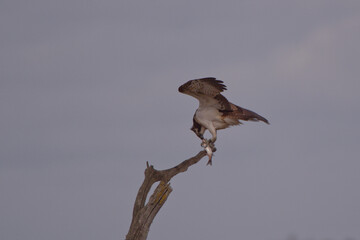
203, 140
212, 145
201, 133
211, 142
200, 136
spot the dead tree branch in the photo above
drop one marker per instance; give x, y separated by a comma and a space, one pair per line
143, 215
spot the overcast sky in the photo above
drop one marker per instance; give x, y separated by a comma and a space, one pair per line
88, 94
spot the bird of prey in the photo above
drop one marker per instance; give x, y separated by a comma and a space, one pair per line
215, 111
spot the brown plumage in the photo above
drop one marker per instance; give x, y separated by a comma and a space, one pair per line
215, 111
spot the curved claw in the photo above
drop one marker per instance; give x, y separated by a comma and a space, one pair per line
204, 143
209, 143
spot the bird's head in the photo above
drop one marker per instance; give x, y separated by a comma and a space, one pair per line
184, 87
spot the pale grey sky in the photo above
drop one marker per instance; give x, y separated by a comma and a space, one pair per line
88, 94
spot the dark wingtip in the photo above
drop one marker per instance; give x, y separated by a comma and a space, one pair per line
265, 121
260, 118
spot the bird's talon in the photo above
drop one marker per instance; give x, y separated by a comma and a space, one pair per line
204, 143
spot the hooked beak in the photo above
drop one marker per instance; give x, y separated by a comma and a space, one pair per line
181, 88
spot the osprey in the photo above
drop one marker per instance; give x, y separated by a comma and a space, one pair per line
215, 111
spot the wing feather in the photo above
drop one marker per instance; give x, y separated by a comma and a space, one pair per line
210, 86
244, 114
207, 91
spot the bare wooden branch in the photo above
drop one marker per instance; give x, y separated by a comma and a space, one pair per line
143, 215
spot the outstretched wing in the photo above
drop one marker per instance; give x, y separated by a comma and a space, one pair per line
244, 114
208, 92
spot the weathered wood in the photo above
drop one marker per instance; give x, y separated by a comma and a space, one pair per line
143, 215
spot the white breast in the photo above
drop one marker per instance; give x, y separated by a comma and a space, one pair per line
210, 117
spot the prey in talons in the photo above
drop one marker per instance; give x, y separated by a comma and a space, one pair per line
209, 148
